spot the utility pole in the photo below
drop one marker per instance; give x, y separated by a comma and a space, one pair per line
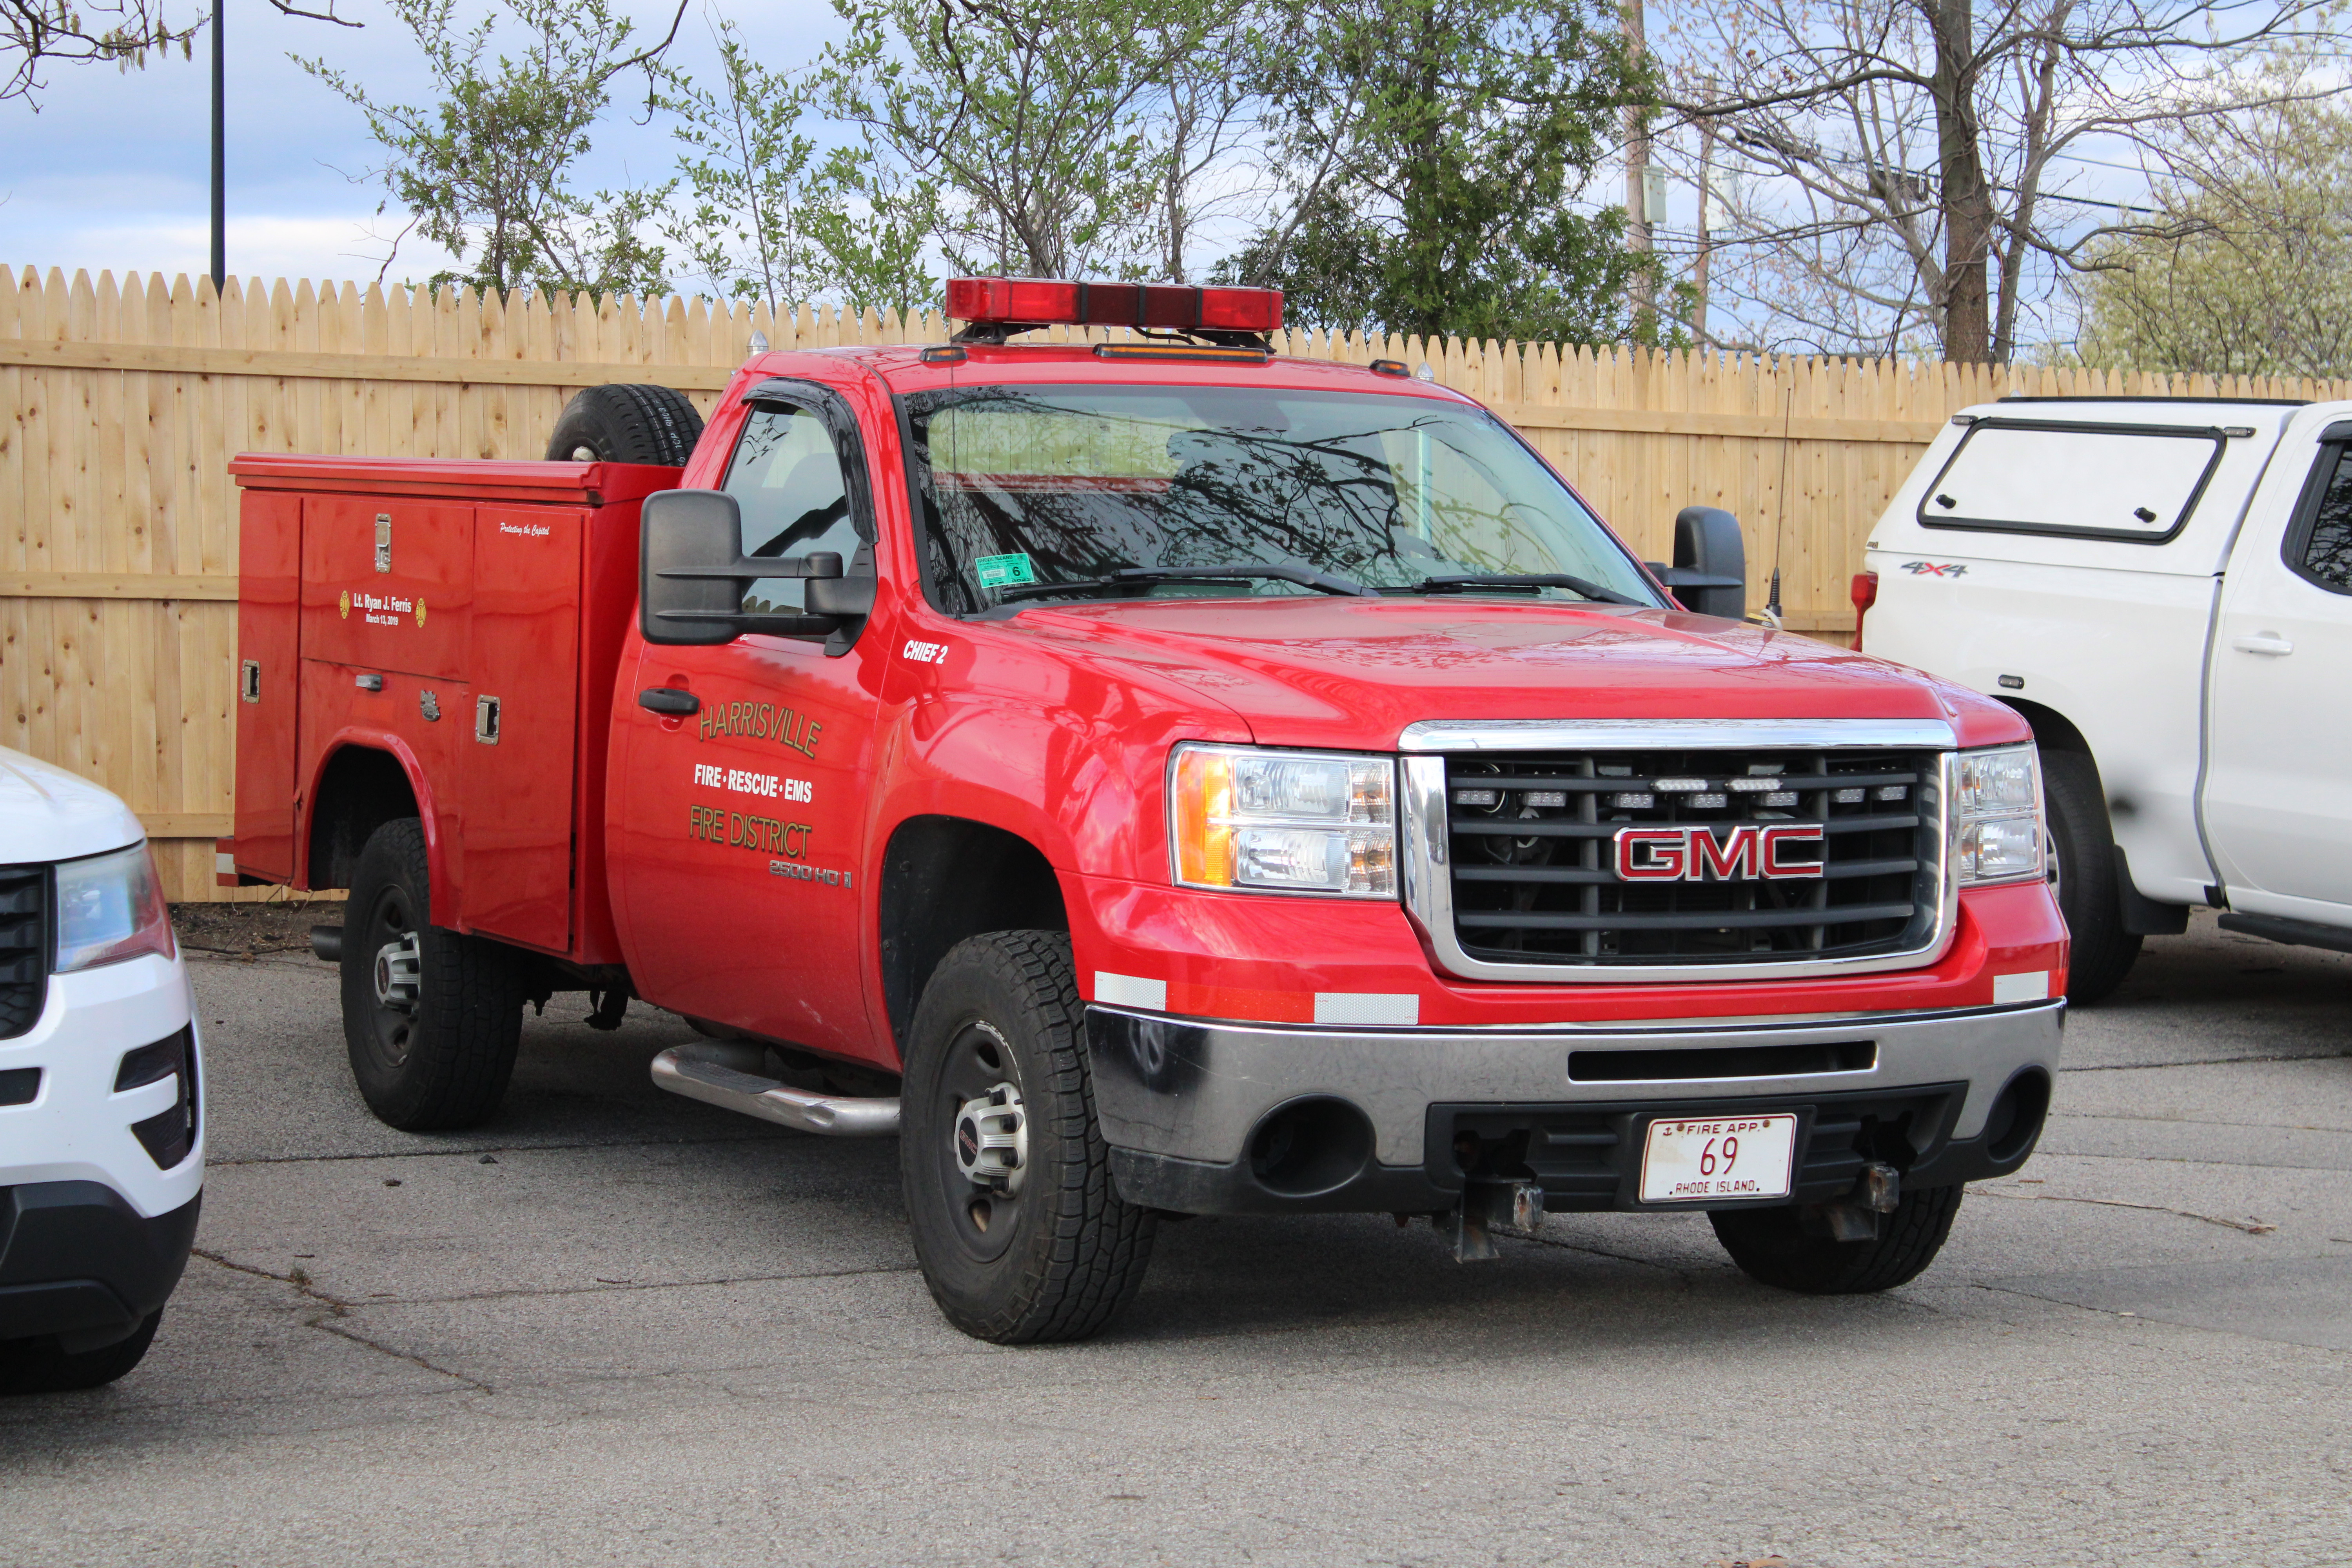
220, 156
1637, 169
1706, 241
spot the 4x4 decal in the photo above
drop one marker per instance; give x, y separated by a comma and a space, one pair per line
1935, 568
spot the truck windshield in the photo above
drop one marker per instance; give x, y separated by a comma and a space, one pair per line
1031, 492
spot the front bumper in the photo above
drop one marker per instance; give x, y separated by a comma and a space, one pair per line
79, 1262
1217, 1118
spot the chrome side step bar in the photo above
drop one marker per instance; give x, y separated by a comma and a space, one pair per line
728, 1074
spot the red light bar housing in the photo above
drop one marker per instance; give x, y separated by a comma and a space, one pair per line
1042, 302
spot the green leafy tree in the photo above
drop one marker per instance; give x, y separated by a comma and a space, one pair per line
754, 177
486, 169
2248, 272
1024, 116
878, 230
1434, 150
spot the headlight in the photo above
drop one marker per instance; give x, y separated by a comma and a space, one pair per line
1283, 822
110, 908
1997, 798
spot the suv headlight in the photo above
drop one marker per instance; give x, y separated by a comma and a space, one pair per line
1250, 820
109, 908
1997, 799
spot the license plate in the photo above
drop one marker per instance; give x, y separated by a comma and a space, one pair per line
1717, 1157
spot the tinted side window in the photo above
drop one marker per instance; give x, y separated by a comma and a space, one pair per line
786, 476
2325, 550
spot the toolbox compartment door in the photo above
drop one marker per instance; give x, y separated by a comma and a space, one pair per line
268, 681
516, 771
387, 583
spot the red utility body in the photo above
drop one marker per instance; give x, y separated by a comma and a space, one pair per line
384, 605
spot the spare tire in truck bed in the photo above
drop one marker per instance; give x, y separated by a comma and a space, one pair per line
626, 423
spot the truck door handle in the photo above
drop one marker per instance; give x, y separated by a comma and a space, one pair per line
668, 699
2261, 642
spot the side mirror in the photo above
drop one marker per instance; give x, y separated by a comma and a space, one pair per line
691, 580
687, 594
1710, 570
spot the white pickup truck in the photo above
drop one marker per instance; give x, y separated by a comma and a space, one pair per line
2163, 588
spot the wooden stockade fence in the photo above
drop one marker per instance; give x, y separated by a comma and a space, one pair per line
124, 401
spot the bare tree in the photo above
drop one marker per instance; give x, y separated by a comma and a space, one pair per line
35, 33
1911, 168
1208, 137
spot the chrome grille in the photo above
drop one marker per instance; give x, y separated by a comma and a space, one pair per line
23, 947
1530, 840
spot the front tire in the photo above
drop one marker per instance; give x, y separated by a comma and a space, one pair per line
1020, 1233
2083, 841
41, 1366
431, 1017
1772, 1247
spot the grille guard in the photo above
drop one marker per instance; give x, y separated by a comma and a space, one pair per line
1423, 853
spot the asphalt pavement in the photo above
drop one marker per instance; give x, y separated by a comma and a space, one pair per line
615, 1326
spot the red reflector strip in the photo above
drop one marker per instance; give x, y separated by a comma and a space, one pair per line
1039, 301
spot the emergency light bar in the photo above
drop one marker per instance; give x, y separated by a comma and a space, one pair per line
1045, 302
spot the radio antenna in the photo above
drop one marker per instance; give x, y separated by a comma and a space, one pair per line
1780, 503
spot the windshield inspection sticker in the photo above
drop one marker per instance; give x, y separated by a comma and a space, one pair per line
996, 570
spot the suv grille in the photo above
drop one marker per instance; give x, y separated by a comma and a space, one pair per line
23, 947
1532, 851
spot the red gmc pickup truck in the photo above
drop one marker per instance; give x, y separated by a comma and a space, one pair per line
1153, 778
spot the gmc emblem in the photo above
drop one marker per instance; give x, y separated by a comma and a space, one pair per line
1691, 854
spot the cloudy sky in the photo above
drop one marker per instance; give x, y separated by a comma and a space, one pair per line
113, 171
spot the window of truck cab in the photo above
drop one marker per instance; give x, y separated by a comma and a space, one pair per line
2137, 483
798, 484
1033, 485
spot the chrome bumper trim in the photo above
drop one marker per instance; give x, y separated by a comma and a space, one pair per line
1195, 1091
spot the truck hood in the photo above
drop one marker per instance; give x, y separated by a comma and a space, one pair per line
49, 814
1354, 672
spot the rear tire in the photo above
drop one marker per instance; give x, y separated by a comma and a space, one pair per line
40, 1366
626, 423
431, 1017
1771, 1247
2082, 842
1039, 1247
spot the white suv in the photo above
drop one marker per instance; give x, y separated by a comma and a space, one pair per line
101, 1117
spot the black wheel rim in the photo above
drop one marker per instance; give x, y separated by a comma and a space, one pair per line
390, 920
985, 1222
